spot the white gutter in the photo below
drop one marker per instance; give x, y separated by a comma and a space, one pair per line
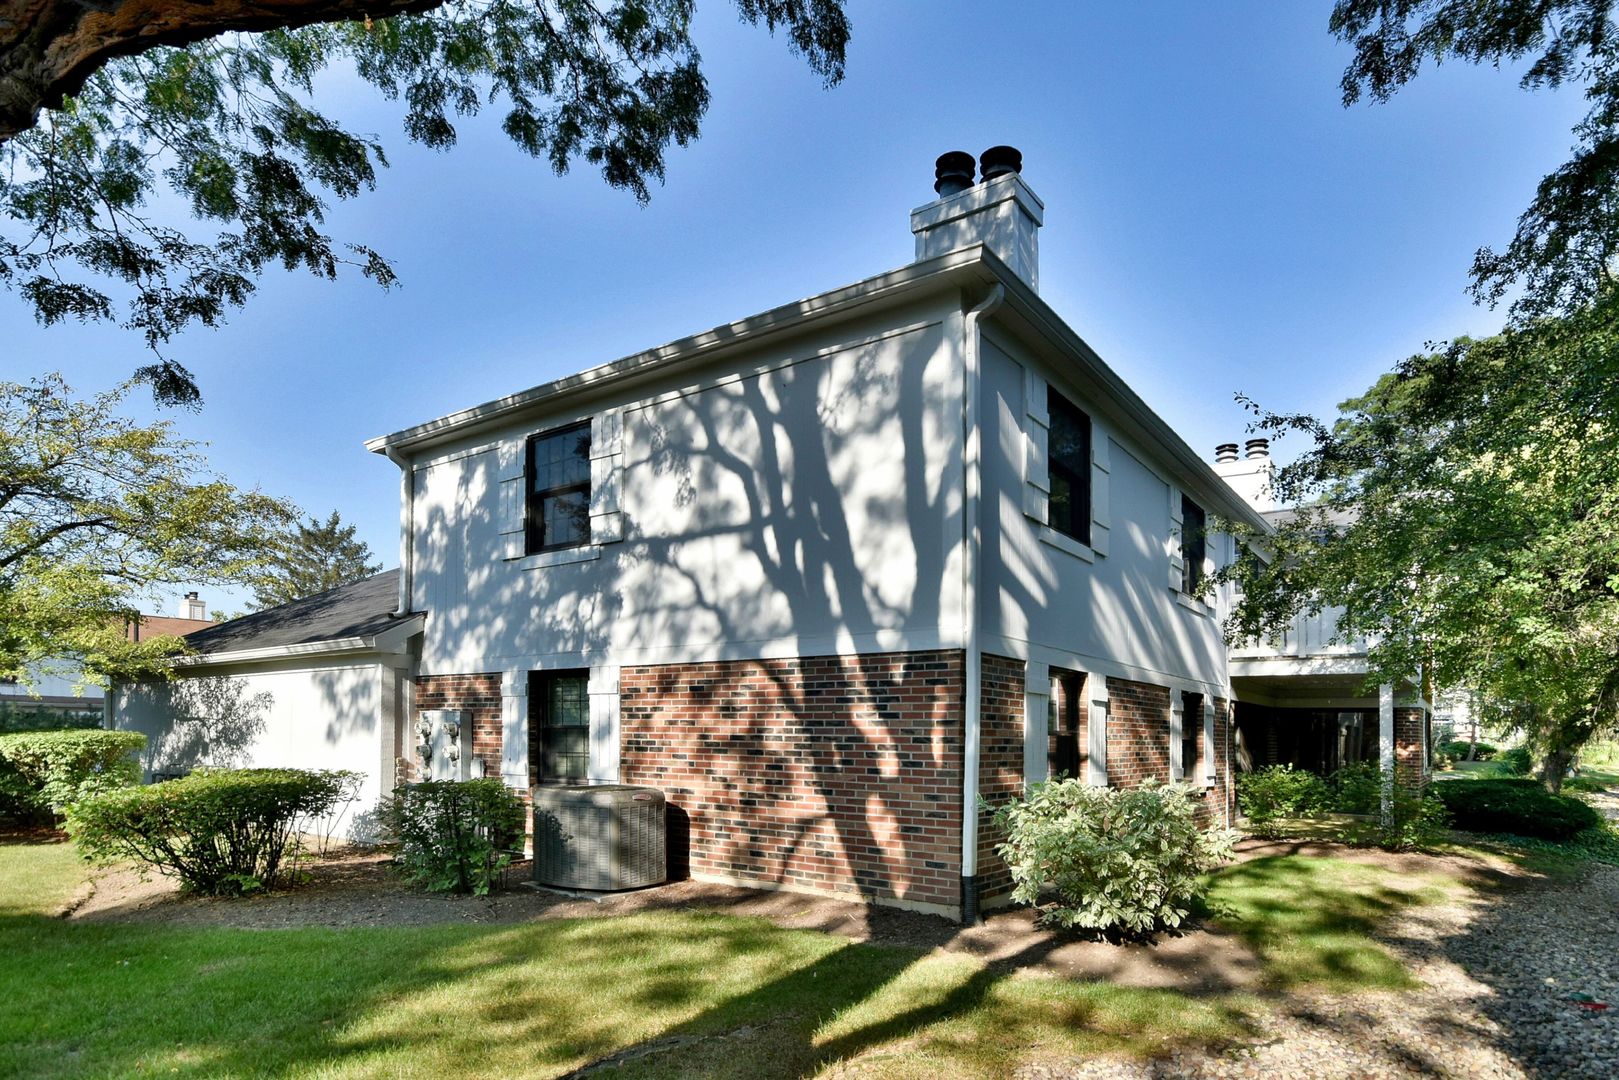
407, 519
971, 539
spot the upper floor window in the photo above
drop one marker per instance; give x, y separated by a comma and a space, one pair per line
558, 470
1194, 545
1069, 463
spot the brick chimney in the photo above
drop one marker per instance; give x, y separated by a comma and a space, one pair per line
1000, 211
1248, 475
192, 607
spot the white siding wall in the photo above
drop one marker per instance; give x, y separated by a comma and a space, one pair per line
1110, 609
336, 714
805, 500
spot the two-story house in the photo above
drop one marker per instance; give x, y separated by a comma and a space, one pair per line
834, 575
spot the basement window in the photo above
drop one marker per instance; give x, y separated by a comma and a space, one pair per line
1069, 464
558, 472
559, 726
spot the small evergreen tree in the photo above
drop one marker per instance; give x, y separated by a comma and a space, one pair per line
311, 559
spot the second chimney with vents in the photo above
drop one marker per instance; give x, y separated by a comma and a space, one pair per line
192, 607
1249, 475
1000, 211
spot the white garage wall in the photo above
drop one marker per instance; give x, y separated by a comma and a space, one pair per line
334, 714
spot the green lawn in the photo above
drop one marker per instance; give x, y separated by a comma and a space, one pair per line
541, 998
1310, 919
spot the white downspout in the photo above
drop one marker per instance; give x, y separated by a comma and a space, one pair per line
407, 518
971, 539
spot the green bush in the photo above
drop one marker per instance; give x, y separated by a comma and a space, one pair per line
454, 836
1416, 819
1279, 791
1521, 807
1115, 859
1456, 749
1516, 762
1588, 784
222, 832
1357, 788
42, 773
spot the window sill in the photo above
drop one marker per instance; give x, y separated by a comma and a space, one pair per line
1064, 542
1194, 605
560, 557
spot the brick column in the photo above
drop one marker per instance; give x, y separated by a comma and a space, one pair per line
1410, 746
1000, 764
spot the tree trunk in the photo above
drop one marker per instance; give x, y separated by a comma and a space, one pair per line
1554, 767
48, 48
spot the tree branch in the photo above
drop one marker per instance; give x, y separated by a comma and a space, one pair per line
48, 48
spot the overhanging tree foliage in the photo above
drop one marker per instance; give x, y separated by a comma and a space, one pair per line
95, 511
108, 110
1464, 514
311, 558
1564, 248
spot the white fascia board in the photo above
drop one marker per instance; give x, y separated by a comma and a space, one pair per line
969, 265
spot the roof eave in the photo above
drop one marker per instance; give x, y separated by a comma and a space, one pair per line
1196, 474
385, 642
960, 267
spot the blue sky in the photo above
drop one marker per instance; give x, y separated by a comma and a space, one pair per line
1216, 222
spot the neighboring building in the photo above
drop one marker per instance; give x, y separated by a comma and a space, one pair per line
320, 683
58, 690
1302, 696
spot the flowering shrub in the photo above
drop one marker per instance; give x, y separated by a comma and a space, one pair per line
1109, 858
454, 836
42, 773
220, 831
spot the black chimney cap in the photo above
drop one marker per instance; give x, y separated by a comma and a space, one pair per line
1000, 160
953, 172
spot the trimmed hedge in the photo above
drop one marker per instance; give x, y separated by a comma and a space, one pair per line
42, 773
454, 835
222, 832
1521, 807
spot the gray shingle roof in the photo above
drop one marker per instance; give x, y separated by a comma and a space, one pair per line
361, 609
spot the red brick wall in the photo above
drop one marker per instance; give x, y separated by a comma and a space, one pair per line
1410, 749
1000, 763
1137, 732
477, 695
1219, 798
837, 773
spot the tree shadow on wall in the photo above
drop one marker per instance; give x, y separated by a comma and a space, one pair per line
212, 720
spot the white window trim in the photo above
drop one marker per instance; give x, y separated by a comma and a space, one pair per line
559, 557
1063, 542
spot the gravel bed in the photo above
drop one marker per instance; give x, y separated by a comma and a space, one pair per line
1496, 971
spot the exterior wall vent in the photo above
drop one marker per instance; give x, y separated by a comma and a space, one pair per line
602, 837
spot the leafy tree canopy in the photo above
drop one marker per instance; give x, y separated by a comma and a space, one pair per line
1564, 248
1464, 514
96, 510
107, 111
311, 558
